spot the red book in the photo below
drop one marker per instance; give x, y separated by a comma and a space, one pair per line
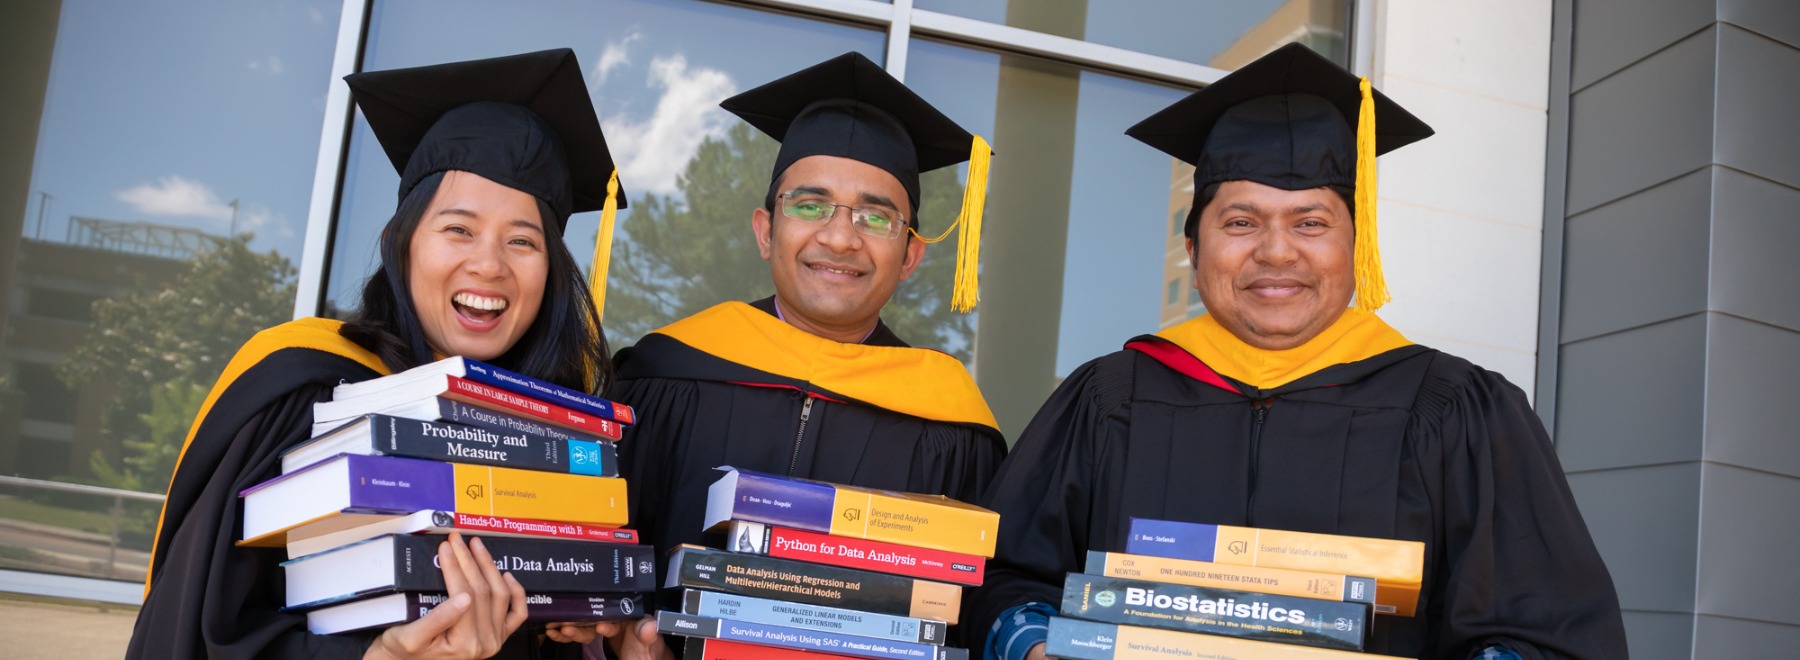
863, 554
701, 648
470, 392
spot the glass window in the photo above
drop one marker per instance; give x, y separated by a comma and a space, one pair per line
1076, 213
167, 193
1224, 34
657, 70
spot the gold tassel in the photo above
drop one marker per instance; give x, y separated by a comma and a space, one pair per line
967, 289
1371, 285
603, 245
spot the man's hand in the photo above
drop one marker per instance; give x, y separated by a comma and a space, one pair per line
634, 640
1036, 652
485, 606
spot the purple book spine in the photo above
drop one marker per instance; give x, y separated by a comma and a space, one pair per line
1175, 540
766, 498
387, 483
491, 375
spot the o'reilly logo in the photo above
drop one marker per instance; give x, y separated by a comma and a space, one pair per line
1106, 598
966, 568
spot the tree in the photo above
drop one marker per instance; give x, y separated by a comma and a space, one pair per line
160, 343
678, 255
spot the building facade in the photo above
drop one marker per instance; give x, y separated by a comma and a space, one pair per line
1600, 217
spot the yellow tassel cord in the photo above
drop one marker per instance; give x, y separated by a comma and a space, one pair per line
603, 245
1371, 285
967, 290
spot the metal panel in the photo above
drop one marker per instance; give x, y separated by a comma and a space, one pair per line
1751, 416
1639, 260
1633, 398
1719, 637
1758, 101
1747, 542
1659, 635
1775, 19
1755, 232
1647, 124
1611, 34
1644, 521
1556, 197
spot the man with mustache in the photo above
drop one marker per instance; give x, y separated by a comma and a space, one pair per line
809, 382
1288, 407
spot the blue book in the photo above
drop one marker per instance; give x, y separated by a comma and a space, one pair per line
493, 376
675, 623
838, 620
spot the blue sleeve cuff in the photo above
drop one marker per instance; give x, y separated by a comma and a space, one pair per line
1497, 653
1017, 630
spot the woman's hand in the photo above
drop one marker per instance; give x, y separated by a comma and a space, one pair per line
634, 640
484, 607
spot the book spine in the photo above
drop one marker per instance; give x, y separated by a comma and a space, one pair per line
468, 391
474, 524
806, 640
812, 617
857, 513
1242, 614
1386, 560
801, 545
397, 436
1075, 639
557, 607
814, 584
491, 375
877, 516
701, 648
1278, 581
769, 499
497, 491
398, 485
539, 565
451, 410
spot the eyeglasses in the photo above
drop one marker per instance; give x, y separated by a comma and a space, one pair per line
879, 221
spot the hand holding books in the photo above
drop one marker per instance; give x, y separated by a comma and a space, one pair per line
485, 606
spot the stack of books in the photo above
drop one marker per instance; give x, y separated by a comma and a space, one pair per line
399, 462
1185, 590
815, 569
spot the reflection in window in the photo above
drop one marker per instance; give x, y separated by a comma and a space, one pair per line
692, 172
175, 148
1223, 34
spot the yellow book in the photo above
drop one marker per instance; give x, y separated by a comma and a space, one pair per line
1397, 566
1088, 640
513, 493
923, 521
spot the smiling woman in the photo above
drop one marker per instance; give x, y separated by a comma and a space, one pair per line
494, 156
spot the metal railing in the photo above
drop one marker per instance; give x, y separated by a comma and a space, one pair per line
117, 511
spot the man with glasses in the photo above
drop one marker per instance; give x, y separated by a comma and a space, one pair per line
809, 382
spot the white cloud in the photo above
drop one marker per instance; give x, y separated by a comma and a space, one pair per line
272, 65
174, 195
653, 151
613, 56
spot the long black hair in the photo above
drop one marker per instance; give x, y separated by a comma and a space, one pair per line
563, 345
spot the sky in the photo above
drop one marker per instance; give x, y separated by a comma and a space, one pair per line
167, 112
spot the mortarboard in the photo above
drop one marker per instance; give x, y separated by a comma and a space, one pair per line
523, 121
849, 107
1291, 120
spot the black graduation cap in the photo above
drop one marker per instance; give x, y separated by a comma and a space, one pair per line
849, 107
1291, 120
524, 121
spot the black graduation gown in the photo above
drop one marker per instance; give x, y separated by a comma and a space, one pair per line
1409, 444
697, 411
207, 597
